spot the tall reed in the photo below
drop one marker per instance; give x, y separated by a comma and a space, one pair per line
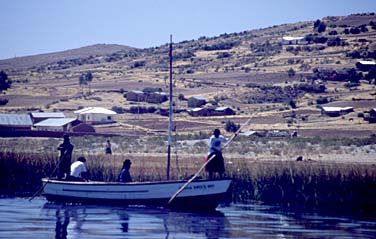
301, 185
310, 184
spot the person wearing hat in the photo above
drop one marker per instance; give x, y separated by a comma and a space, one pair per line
78, 170
124, 175
65, 158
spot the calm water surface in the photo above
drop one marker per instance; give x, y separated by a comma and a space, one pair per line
20, 218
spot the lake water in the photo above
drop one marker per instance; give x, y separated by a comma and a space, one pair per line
20, 218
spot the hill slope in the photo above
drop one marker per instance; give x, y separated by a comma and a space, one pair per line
247, 71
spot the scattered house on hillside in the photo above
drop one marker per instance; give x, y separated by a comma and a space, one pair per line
57, 124
278, 133
135, 95
250, 133
288, 40
15, 122
196, 101
220, 111
372, 116
95, 115
336, 111
365, 65
149, 90
150, 95
156, 97
198, 112
224, 110
37, 117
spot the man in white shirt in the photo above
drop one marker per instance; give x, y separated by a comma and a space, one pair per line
78, 170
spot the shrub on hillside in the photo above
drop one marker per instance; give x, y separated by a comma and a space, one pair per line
139, 64
334, 41
220, 46
332, 33
337, 75
319, 26
3, 101
118, 109
321, 101
231, 126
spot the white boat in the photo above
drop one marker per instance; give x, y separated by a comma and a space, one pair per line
198, 195
191, 194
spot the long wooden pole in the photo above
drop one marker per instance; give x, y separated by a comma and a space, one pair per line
48, 180
208, 161
169, 116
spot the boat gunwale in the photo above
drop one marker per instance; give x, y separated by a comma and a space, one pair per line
102, 183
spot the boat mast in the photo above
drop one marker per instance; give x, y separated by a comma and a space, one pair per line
169, 115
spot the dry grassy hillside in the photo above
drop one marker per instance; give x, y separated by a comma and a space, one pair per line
250, 71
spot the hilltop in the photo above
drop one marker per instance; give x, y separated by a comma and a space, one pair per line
249, 71
87, 52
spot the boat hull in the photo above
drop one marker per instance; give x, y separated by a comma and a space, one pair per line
199, 195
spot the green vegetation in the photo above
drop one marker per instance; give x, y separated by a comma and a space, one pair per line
231, 126
5, 82
85, 79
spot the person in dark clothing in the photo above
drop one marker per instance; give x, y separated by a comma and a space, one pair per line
66, 149
215, 147
124, 175
108, 147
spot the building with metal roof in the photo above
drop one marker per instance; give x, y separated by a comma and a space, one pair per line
14, 120
37, 117
11, 124
58, 124
196, 101
135, 95
289, 40
224, 110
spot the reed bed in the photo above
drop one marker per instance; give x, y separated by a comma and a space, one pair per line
274, 178
306, 185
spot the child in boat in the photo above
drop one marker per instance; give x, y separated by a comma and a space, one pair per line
124, 175
78, 170
215, 147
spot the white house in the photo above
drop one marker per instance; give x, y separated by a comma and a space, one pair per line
95, 115
294, 41
336, 111
365, 65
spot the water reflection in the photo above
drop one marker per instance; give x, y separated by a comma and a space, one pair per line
124, 221
67, 215
74, 221
20, 218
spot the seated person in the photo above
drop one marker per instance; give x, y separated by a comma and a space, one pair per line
78, 170
124, 175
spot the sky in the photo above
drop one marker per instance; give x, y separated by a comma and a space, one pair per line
30, 27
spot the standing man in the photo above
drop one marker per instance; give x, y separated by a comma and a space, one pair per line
215, 147
66, 149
